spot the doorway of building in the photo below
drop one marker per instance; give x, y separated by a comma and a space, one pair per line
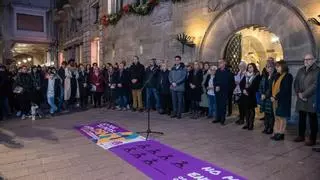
254, 44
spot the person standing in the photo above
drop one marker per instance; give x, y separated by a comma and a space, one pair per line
266, 94
317, 104
305, 88
281, 98
151, 79
123, 86
249, 94
23, 88
164, 89
222, 91
52, 88
231, 89
3, 83
177, 78
97, 86
136, 72
240, 81
83, 86
195, 84
209, 85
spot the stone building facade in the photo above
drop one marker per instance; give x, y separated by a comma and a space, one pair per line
210, 23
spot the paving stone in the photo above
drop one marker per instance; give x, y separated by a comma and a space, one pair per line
55, 150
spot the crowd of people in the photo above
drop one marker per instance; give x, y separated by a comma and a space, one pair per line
198, 88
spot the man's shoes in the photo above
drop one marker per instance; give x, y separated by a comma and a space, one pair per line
179, 117
133, 109
173, 116
222, 123
264, 131
299, 139
279, 137
215, 121
245, 127
310, 143
239, 122
141, 110
269, 131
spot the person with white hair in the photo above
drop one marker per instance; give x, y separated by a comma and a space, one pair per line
240, 79
209, 87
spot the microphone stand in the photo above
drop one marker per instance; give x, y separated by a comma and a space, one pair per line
149, 131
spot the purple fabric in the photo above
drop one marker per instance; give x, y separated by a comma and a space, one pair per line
159, 161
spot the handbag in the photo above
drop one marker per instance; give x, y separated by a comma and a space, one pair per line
93, 88
18, 90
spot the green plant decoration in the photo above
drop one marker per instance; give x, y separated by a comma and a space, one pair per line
185, 40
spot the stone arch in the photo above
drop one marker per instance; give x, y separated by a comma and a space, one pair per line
280, 17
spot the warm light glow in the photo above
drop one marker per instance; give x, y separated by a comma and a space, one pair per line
95, 49
19, 62
29, 59
196, 28
52, 63
24, 60
275, 39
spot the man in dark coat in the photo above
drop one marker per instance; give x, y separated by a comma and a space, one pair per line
222, 90
305, 86
151, 79
164, 89
317, 103
136, 72
194, 82
3, 81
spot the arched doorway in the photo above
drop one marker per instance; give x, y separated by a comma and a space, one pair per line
279, 17
253, 44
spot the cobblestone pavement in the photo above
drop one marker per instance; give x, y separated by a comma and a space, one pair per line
52, 149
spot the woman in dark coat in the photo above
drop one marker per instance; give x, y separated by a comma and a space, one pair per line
266, 94
164, 89
111, 84
281, 98
123, 83
195, 84
37, 84
83, 86
97, 84
249, 94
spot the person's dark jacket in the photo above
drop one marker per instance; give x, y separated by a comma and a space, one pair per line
265, 89
151, 76
164, 84
82, 81
222, 80
62, 74
136, 71
284, 96
252, 89
24, 80
4, 79
123, 79
195, 79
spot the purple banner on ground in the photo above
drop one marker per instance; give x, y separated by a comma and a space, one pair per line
108, 135
161, 162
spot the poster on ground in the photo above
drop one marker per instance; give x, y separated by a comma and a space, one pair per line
108, 135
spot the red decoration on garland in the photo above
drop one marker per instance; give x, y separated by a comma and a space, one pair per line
126, 8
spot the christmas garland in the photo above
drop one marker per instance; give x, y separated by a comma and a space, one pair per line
136, 9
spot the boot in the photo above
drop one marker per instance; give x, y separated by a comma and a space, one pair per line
269, 131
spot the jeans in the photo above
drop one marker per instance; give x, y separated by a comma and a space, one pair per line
53, 107
123, 101
177, 102
212, 105
153, 92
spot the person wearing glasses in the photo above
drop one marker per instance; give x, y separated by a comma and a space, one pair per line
305, 86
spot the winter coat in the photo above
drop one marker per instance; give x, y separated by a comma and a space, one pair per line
4, 84
97, 81
222, 80
24, 80
317, 100
284, 96
195, 79
151, 76
178, 76
163, 82
123, 79
62, 74
82, 81
136, 71
266, 89
306, 83
250, 100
